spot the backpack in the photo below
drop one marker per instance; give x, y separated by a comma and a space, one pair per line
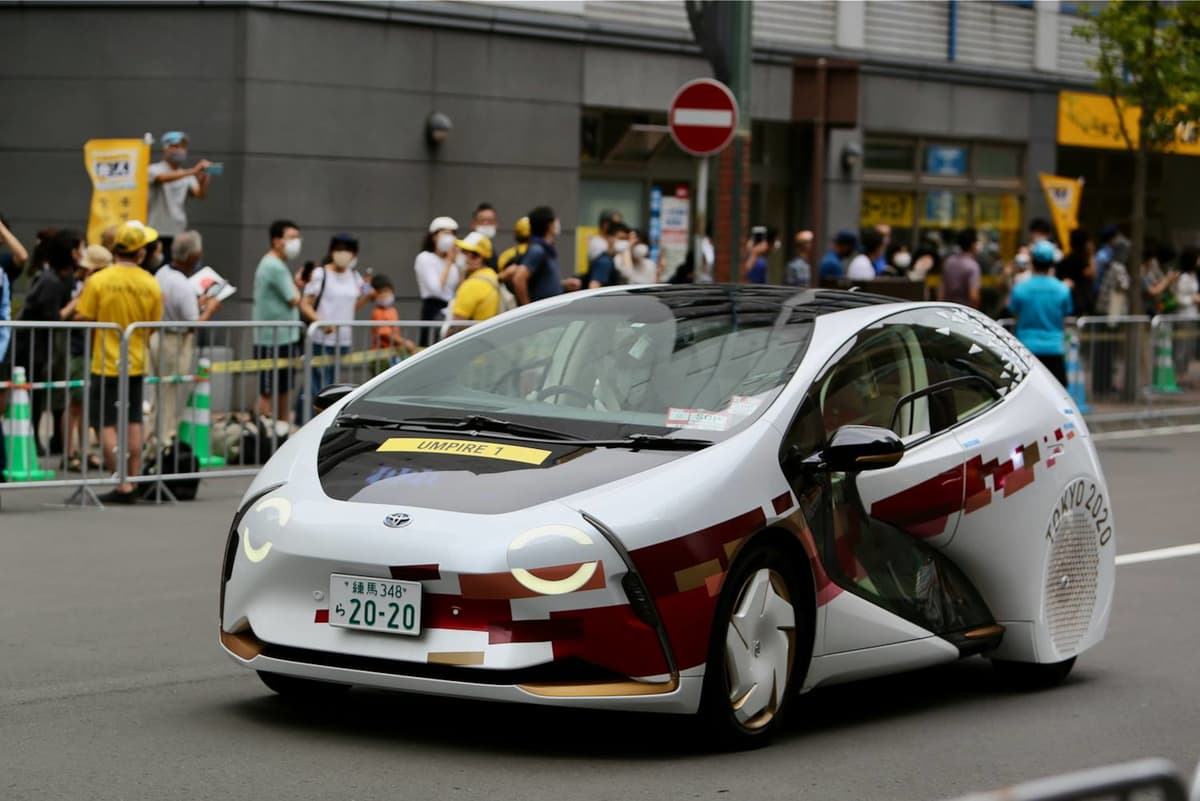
259, 441
175, 458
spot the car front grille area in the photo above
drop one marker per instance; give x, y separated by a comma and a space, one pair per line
1072, 576
561, 671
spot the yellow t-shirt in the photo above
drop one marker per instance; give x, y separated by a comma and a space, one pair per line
478, 296
121, 294
507, 257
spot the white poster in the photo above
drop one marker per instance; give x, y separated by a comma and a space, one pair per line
676, 228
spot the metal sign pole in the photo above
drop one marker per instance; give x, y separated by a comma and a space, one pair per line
699, 268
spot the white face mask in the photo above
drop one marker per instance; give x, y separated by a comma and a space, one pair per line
460, 261
385, 301
621, 245
641, 251
557, 229
291, 247
902, 260
342, 258
487, 230
1022, 260
445, 242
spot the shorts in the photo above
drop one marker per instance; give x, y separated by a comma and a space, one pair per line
280, 380
104, 415
76, 372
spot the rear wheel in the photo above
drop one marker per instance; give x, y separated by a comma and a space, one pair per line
758, 625
295, 688
1032, 675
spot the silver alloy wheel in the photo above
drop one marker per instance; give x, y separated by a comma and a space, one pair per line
759, 647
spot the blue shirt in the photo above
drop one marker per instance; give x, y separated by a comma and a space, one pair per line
1041, 304
5, 313
542, 262
831, 266
880, 264
1103, 257
758, 273
601, 270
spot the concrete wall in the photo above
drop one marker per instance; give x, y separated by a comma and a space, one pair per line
317, 118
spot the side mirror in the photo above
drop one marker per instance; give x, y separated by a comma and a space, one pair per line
331, 394
853, 449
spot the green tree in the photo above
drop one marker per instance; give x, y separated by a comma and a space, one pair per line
1149, 58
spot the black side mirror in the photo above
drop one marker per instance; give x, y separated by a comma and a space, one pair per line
853, 449
331, 394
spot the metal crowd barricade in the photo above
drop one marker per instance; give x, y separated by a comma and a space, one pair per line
59, 393
351, 352
1112, 354
200, 391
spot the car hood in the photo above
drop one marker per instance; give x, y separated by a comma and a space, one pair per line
484, 474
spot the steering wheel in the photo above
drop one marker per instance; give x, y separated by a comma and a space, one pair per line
566, 389
510, 375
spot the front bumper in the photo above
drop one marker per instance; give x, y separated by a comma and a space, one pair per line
483, 634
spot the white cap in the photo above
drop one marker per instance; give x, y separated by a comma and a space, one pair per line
442, 224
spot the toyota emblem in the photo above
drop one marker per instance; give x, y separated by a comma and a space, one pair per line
396, 520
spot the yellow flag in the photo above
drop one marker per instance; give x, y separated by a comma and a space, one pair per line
117, 168
1063, 196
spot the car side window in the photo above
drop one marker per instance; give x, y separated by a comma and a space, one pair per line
953, 354
867, 379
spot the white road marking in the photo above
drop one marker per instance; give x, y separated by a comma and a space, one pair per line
1139, 433
704, 117
1161, 553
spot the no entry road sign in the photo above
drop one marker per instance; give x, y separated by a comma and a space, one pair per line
703, 116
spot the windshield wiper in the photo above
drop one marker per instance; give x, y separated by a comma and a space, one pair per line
364, 421
651, 442
481, 422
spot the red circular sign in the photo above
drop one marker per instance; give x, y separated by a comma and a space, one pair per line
703, 116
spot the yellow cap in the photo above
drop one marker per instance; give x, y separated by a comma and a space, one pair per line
133, 235
476, 242
521, 229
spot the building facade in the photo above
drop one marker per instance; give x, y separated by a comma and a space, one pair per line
948, 112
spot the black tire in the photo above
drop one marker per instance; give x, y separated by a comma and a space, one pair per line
718, 711
1032, 675
294, 688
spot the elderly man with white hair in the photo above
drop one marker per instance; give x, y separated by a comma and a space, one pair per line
173, 348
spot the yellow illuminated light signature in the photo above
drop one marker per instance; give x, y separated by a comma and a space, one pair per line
571, 583
283, 509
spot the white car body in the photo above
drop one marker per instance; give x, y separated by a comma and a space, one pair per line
1013, 496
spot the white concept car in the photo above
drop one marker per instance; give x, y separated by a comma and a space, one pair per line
690, 499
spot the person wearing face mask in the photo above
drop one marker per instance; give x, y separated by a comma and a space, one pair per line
602, 270
171, 184
387, 336
483, 222
336, 292
122, 294
276, 299
437, 273
538, 277
899, 261
640, 269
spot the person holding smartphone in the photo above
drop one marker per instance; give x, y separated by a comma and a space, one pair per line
171, 184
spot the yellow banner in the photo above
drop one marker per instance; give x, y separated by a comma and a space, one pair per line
886, 208
1063, 194
583, 234
464, 447
117, 168
1090, 120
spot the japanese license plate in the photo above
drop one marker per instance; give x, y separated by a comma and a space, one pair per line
375, 604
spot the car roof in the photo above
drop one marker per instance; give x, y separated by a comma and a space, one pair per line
710, 298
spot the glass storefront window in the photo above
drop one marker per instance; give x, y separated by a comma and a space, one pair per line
997, 161
945, 161
998, 218
889, 155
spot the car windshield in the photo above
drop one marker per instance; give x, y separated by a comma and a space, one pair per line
705, 361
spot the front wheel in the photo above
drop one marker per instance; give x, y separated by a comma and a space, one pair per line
1032, 675
753, 652
295, 688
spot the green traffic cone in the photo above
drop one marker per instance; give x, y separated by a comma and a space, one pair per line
196, 421
19, 446
1164, 364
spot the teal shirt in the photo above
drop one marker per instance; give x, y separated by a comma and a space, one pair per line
274, 290
1041, 304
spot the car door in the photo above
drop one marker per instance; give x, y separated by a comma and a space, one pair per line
875, 530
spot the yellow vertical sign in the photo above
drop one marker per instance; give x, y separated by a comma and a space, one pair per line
1063, 194
117, 168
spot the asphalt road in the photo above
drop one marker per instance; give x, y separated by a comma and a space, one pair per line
112, 686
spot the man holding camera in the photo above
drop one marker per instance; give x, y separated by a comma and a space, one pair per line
171, 184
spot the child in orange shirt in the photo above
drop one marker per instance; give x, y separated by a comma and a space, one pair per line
388, 337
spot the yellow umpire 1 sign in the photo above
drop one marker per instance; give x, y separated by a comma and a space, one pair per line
117, 168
